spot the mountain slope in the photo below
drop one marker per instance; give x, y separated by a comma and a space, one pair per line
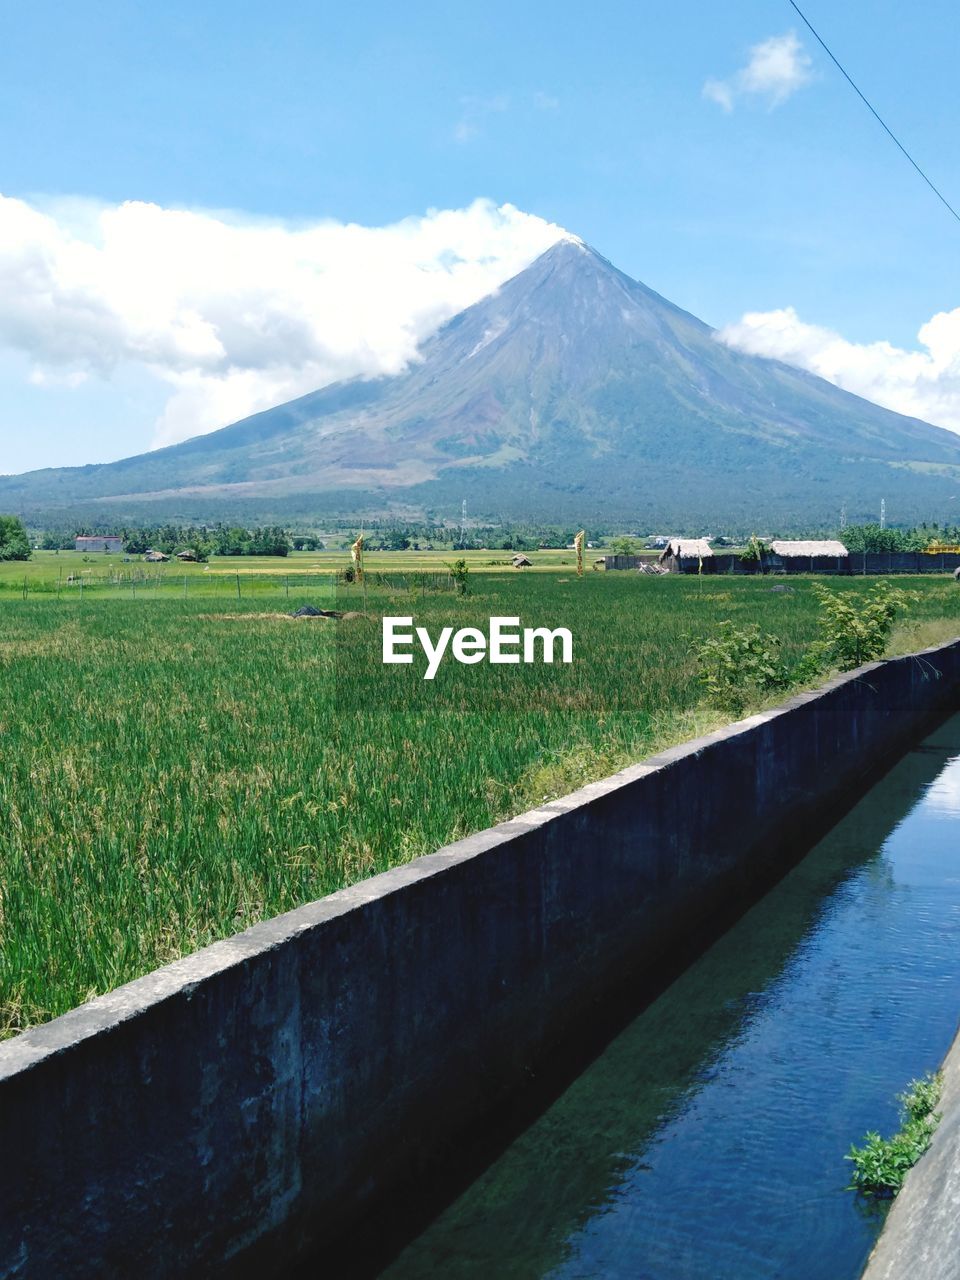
573, 389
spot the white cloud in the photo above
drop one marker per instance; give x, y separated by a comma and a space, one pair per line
239, 314
921, 383
775, 69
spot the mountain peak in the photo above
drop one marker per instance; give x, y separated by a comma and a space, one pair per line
571, 249
572, 390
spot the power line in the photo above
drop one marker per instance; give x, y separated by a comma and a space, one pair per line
876, 115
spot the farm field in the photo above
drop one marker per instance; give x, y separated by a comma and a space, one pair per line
178, 766
50, 571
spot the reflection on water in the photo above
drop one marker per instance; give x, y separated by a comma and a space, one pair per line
707, 1140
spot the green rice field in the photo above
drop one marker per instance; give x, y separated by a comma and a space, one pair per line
180, 761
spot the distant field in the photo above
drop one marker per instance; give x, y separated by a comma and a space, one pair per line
48, 570
176, 768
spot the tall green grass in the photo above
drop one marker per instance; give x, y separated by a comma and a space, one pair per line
173, 770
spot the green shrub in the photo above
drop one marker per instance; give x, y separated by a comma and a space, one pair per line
738, 663
854, 629
755, 550
881, 1164
14, 543
459, 572
624, 545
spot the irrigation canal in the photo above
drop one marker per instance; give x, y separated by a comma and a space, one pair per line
706, 1140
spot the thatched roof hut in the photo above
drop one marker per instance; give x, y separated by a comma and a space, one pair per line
521, 562
155, 557
187, 557
822, 555
687, 555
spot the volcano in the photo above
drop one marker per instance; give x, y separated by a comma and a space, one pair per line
572, 393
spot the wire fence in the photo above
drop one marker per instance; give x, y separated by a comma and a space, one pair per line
144, 583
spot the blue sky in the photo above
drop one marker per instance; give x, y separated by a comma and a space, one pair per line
593, 118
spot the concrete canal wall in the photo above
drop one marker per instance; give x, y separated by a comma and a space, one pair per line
921, 1237
229, 1112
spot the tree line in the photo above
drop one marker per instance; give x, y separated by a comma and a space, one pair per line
171, 539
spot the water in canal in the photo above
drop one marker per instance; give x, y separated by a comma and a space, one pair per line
706, 1141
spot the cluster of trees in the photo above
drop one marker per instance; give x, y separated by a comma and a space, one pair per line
270, 540
202, 540
273, 540
431, 535
14, 543
871, 537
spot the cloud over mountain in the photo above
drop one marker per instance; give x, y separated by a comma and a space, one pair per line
921, 384
570, 390
236, 314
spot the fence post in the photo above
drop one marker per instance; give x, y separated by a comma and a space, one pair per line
238, 584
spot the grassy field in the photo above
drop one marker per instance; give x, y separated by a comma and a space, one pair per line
49, 572
175, 768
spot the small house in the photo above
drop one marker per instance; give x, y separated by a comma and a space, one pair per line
107, 544
521, 562
155, 557
187, 557
687, 555
808, 556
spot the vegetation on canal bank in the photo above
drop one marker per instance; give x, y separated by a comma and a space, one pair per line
881, 1164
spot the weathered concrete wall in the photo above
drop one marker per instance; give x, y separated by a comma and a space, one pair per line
921, 1237
234, 1109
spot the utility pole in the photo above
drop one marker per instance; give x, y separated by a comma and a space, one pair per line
843, 516
883, 513
463, 524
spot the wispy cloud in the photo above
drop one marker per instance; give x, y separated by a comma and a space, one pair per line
237, 314
775, 69
476, 110
922, 383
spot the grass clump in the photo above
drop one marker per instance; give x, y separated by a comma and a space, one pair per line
881, 1164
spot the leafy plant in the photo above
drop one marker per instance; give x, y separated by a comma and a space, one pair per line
737, 662
881, 1164
854, 629
459, 572
14, 543
755, 550
624, 545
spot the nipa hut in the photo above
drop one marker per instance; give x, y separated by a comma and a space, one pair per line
521, 562
687, 555
806, 556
